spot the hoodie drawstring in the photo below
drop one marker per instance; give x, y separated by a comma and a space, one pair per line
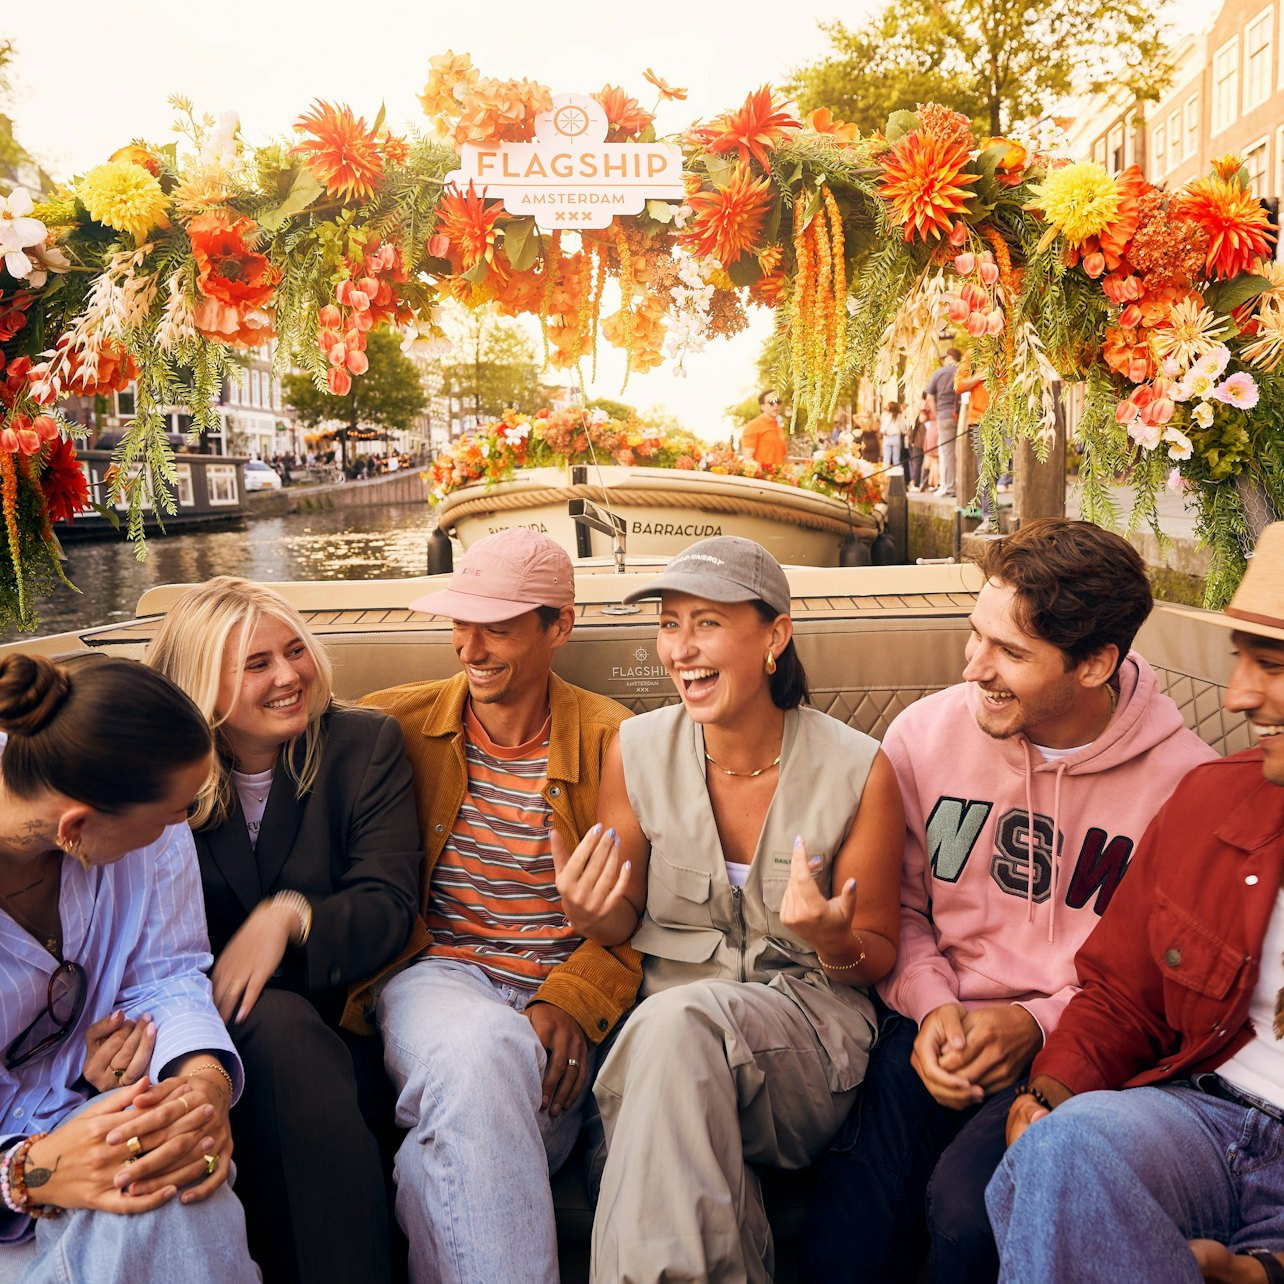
1055, 856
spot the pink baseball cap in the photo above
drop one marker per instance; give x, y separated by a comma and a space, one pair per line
502, 576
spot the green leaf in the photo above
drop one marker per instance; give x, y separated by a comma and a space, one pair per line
771, 228
477, 273
521, 247
900, 123
1229, 295
744, 271
719, 169
661, 211
303, 191
379, 119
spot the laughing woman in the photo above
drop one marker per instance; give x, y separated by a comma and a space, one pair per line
309, 852
751, 848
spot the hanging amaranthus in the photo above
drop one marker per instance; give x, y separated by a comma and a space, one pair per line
838, 315
626, 297
9, 501
599, 283
799, 312
818, 308
818, 336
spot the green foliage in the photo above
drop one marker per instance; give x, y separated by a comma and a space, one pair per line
387, 397
614, 409
743, 411
997, 61
493, 367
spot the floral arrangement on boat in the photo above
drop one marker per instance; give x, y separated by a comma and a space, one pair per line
496, 451
162, 263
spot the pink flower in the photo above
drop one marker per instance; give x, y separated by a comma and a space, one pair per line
439, 245
959, 309
1130, 316
1126, 412
975, 296
994, 322
975, 324
340, 382
1147, 436
965, 264
958, 233
1094, 264
1239, 390
358, 363
989, 273
1158, 412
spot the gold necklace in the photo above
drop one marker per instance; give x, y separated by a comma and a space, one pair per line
726, 771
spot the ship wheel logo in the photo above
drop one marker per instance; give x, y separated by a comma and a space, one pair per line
570, 120
640, 654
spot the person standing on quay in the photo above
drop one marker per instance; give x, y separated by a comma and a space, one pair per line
764, 439
944, 401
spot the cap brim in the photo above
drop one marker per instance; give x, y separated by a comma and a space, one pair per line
1228, 622
470, 607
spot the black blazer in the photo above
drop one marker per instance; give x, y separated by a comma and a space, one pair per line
350, 845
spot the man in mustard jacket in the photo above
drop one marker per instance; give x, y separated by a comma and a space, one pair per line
490, 1028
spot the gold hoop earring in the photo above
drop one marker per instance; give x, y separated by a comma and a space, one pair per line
69, 846
770, 665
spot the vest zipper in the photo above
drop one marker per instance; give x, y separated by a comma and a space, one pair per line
737, 895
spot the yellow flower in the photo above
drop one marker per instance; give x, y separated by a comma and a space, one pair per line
123, 196
1079, 201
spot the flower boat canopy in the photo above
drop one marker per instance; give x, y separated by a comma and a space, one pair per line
157, 265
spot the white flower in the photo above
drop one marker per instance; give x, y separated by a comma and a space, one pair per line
1199, 383
220, 147
1179, 445
1203, 415
47, 258
1147, 436
1180, 391
18, 232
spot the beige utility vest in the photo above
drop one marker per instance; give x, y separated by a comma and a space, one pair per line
697, 926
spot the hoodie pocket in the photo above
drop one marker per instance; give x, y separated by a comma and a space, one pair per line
1197, 967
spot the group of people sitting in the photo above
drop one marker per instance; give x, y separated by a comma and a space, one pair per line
734, 931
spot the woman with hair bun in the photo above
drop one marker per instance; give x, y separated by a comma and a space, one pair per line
750, 849
101, 924
310, 857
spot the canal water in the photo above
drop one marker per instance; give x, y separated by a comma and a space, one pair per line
386, 542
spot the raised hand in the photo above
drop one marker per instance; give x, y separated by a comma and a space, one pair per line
824, 923
248, 960
593, 883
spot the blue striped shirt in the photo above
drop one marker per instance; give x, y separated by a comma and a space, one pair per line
137, 927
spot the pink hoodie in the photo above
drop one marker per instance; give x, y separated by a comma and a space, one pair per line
980, 922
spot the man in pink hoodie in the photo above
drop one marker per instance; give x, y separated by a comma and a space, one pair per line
1026, 787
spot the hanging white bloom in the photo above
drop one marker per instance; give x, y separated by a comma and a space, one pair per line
19, 232
1203, 415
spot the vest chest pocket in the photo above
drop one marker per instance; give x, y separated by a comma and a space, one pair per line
677, 893
774, 886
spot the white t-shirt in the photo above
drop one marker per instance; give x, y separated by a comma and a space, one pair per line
1055, 755
737, 873
253, 788
1258, 1067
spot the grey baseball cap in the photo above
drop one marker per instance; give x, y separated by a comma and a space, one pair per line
723, 569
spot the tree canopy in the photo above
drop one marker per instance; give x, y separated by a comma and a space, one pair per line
388, 396
492, 367
1000, 62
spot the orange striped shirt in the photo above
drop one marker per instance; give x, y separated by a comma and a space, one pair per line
492, 901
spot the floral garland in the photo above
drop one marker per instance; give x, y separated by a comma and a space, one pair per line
558, 438
160, 264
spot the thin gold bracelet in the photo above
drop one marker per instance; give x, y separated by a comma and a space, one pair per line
216, 1066
844, 967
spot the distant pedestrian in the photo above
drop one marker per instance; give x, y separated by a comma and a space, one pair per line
944, 401
893, 429
870, 442
764, 439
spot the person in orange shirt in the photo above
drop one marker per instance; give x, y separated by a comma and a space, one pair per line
764, 437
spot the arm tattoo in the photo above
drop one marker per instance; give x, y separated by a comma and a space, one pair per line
39, 1176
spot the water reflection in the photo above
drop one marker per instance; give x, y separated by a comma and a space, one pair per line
385, 542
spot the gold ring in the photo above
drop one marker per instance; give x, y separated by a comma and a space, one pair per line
211, 1163
182, 1096
135, 1147
120, 1074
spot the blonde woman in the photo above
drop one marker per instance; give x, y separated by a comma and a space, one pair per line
309, 851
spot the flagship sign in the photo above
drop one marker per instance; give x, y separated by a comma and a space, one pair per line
570, 176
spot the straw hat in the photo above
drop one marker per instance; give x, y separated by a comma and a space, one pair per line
1258, 604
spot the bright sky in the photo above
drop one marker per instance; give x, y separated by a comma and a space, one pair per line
90, 77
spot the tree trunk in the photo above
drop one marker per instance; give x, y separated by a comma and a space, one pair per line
1040, 488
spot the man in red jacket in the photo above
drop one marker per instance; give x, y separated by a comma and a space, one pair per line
1181, 1176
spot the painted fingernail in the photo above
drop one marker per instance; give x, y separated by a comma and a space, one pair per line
628, 865
851, 885
208, 1112
813, 860
207, 1143
798, 842
597, 829
610, 833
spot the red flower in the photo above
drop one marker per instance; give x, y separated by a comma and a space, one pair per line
229, 270
754, 129
63, 483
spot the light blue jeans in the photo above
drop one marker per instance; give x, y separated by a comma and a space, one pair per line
1111, 1185
473, 1172
204, 1241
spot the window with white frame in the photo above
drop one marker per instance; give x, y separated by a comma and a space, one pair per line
1279, 161
1257, 60
221, 482
1174, 140
1255, 163
1099, 151
1226, 85
186, 497
1192, 126
1115, 147
1160, 150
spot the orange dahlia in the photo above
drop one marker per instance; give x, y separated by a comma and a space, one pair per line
924, 183
667, 91
1113, 241
342, 152
754, 129
726, 221
1239, 229
469, 223
624, 117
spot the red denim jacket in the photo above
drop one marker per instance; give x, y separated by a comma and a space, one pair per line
1169, 971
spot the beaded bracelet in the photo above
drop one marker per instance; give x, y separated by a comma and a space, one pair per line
4, 1179
216, 1066
297, 904
16, 1196
1029, 1090
844, 967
